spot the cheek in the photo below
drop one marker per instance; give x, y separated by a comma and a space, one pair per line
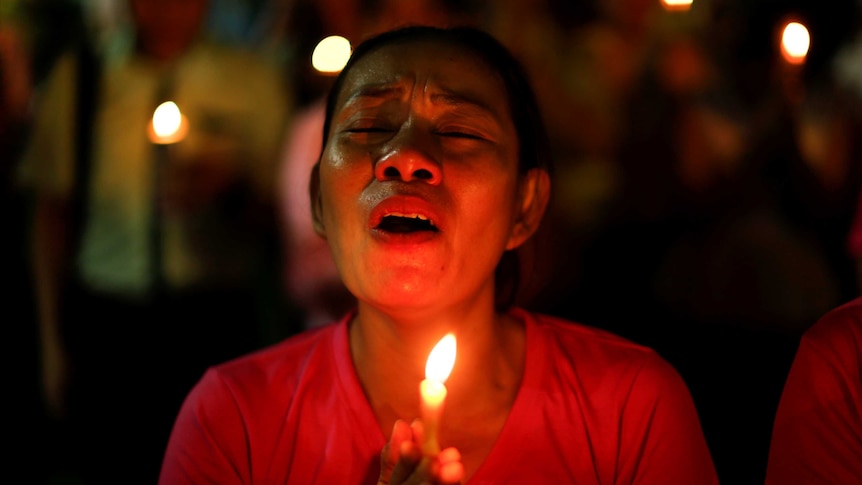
493, 191
490, 211
341, 187
332, 198
343, 172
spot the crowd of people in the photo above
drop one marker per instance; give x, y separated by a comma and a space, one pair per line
704, 203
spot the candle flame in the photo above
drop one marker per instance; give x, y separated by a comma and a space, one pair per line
676, 4
441, 359
795, 41
168, 124
167, 119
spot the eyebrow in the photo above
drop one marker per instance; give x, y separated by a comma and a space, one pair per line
444, 96
458, 99
375, 91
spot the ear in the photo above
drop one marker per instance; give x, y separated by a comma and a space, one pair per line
316, 202
534, 193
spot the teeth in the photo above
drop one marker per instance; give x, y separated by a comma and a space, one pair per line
410, 216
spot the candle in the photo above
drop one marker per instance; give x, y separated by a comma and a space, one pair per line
433, 391
168, 126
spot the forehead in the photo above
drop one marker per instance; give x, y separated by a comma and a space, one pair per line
431, 66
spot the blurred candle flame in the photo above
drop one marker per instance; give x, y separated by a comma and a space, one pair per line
795, 41
676, 4
331, 54
168, 124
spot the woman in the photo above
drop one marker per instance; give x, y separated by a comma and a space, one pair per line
433, 173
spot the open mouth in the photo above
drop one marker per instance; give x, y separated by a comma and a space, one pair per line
406, 223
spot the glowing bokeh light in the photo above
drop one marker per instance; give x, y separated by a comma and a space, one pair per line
168, 124
167, 119
676, 4
795, 42
331, 54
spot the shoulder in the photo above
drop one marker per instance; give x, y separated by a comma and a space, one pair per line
286, 357
839, 324
586, 342
266, 395
836, 337
630, 403
250, 391
275, 372
599, 358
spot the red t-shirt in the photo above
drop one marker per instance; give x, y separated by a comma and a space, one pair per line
817, 436
593, 408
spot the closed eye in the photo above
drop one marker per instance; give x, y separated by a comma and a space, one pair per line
460, 134
368, 134
371, 129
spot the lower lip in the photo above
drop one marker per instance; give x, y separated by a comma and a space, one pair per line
417, 237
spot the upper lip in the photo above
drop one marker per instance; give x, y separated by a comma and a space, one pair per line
404, 206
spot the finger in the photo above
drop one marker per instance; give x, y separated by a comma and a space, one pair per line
449, 469
418, 430
391, 452
411, 452
449, 454
401, 433
409, 464
451, 473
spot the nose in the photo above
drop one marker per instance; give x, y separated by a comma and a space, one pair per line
409, 159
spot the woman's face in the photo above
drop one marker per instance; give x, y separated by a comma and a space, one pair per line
419, 187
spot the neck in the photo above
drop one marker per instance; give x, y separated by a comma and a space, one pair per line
390, 353
386, 343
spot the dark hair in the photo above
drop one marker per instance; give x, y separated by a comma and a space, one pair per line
533, 145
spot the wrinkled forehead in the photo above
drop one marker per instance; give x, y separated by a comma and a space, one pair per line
427, 67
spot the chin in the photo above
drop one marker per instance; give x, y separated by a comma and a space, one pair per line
419, 291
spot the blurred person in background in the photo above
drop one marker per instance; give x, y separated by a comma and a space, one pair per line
694, 185
16, 86
147, 260
26, 423
310, 279
735, 200
817, 433
588, 60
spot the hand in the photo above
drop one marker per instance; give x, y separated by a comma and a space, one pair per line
401, 461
